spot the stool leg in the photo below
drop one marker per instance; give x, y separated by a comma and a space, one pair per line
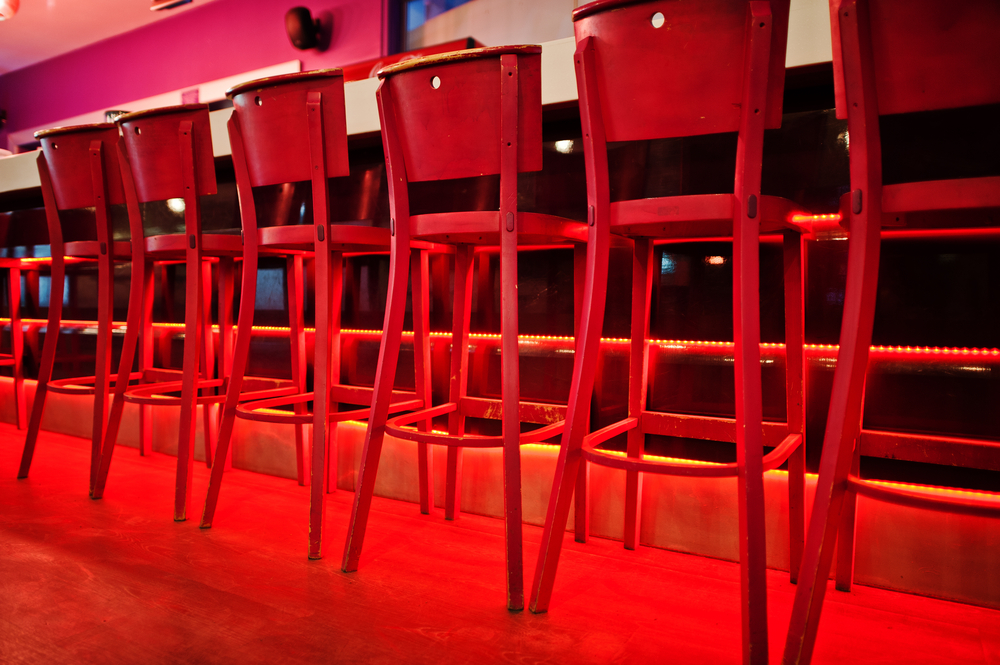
194, 321
209, 423
459, 384
102, 362
581, 516
420, 270
147, 342
842, 428
227, 286
385, 373
241, 350
848, 523
58, 276
570, 465
321, 398
336, 302
510, 396
17, 345
749, 438
843, 423
297, 338
795, 403
642, 283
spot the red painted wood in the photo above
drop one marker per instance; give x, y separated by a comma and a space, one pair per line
193, 313
209, 423
420, 271
461, 109
150, 137
321, 362
846, 537
942, 195
391, 332
632, 107
241, 349
458, 383
297, 341
746, 333
17, 345
276, 136
581, 514
145, 296
510, 75
168, 153
889, 57
570, 465
843, 421
105, 304
795, 392
140, 305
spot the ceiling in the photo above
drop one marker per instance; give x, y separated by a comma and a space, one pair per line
43, 29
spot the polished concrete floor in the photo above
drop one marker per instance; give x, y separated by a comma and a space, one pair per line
118, 581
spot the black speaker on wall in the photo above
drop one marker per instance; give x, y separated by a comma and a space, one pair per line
303, 31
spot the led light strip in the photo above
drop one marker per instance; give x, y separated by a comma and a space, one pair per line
670, 343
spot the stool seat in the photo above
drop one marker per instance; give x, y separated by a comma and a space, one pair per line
342, 237
121, 249
483, 227
175, 245
698, 216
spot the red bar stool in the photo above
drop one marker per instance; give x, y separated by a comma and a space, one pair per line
167, 154
890, 57
78, 168
291, 129
458, 115
651, 70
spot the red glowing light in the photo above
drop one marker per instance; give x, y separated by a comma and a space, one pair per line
799, 218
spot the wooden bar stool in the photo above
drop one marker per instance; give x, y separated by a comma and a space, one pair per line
167, 154
78, 168
890, 57
290, 129
459, 115
664, 70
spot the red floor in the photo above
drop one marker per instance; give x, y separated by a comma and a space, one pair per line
117, 581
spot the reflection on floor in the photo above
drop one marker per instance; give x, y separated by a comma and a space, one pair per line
118, 581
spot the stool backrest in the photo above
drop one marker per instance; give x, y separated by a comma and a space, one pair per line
67, 154
273, 118
927, 54
669, 68
452, 109
153, 143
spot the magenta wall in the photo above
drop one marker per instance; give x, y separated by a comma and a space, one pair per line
218, 39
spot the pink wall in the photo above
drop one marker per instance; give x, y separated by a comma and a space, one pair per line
219, 39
